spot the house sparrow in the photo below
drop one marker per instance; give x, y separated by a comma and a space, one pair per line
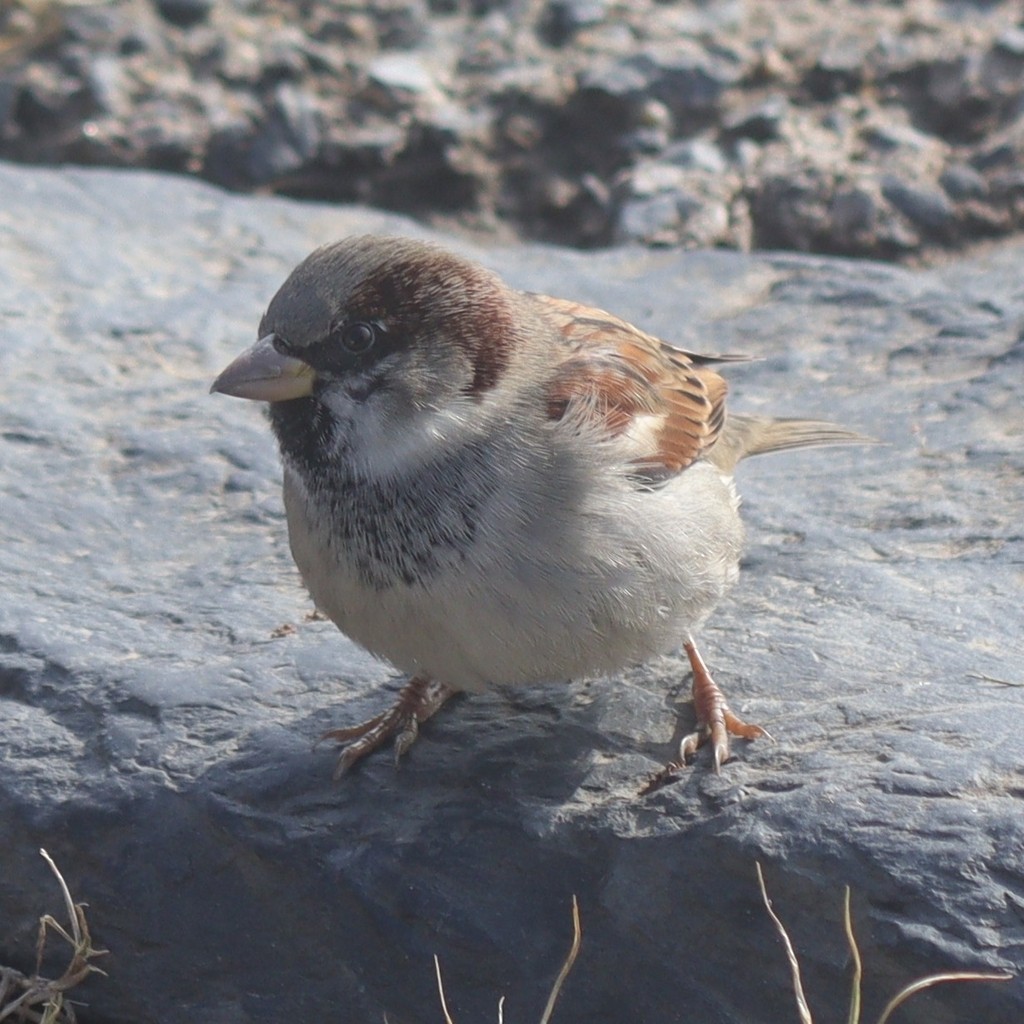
486, 486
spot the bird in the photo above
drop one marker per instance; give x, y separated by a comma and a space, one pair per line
489, 487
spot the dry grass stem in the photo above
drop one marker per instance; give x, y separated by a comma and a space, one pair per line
935, 979
440, 992
794, 965
897, 1000
39, 1000
851, 939
981, 677
574, 949
556, 989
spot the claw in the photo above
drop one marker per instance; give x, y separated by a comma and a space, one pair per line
417, 701
406, 738
715, 722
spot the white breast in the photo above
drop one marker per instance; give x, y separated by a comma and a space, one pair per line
567, 573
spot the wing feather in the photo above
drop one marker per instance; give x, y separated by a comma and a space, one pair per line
666, 403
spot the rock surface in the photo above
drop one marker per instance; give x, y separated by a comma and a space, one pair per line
859, 127
157, 718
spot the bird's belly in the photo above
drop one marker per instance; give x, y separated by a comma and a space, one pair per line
471, 634
587, 596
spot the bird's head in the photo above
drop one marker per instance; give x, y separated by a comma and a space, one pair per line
371, 336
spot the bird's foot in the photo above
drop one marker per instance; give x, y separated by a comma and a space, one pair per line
715, 722
417, 701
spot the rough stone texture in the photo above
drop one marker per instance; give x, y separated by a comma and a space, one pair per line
839, 126
157, 724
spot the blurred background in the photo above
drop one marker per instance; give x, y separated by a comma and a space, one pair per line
880, 129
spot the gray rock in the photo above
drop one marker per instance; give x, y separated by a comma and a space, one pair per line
184, 13
685, 78
893, 137
853, 212
689, 79
1002, 66
928, 208
839, 67
790, 210
1011, 42
158, 721
107, 85
399, 24
289, 140
647, 217
962, 182
285, 55
401, 72
760, 121
618, 80
838, 93
562, 19
700, 155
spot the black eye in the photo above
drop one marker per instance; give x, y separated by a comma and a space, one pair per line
358, 337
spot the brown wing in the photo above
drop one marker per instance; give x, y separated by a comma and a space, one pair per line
665, 402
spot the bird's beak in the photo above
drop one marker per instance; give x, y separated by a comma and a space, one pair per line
265, 375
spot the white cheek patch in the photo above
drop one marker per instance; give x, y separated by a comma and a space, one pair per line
384, 442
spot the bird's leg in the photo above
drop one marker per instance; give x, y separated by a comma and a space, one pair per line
714, 719
417, 701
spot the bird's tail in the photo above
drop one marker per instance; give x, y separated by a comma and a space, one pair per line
756, 435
